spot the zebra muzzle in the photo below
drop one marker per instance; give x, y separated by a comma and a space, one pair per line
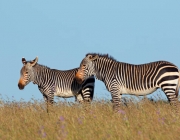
21, 84
78, 79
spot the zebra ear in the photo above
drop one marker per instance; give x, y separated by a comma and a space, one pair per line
91, 57
24, 61
33, 62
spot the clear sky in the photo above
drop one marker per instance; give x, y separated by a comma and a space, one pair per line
61, 32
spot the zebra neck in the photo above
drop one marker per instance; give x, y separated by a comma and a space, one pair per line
102, 68
39, 74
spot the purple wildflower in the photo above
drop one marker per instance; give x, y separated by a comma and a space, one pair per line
121, 112
63, 131
108, 135
62, 127
158, 112
61, 118
42, 132
80, 120
139, 132
161, 120
91, 112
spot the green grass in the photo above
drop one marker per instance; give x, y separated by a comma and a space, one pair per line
143, 120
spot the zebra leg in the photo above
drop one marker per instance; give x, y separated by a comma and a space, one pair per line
48, 97
172, 96
175, 102
79, 98
87, 94
50, 101
46, 101
116, 97
120, 95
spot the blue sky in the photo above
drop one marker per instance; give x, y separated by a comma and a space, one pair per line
60, 33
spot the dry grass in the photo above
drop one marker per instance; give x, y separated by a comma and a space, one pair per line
144, 120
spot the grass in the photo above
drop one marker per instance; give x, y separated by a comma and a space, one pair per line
142, 120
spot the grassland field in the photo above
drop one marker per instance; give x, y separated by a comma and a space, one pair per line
136, 120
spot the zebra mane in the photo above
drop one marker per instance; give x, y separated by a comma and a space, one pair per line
101, 55
39, 65
42, 66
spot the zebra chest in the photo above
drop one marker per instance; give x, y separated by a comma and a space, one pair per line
65, 93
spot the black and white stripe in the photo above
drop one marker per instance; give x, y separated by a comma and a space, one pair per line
123, 78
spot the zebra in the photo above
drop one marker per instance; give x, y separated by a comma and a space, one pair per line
124, 78
53, 82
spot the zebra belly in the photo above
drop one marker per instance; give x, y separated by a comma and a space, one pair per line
138, 92
64, 94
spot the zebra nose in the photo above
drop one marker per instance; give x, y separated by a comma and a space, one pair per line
20, 86
78, 79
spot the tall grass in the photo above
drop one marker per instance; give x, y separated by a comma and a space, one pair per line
142, 120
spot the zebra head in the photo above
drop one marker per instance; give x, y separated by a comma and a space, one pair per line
86, 69
26, 72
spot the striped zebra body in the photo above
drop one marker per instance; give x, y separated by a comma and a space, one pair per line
63, 84
52, 82
123, 78
145, 79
